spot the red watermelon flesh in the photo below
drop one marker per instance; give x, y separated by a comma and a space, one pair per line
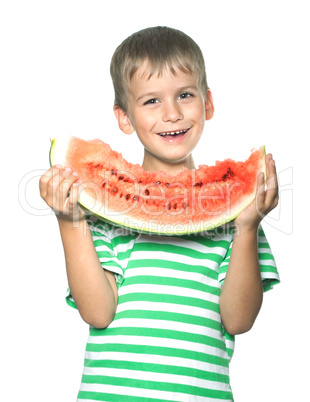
156, 202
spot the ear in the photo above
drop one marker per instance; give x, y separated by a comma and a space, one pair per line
209, 106
124, 122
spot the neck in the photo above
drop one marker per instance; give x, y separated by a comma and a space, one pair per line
170, 167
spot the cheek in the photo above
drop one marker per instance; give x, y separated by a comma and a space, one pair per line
198, 112
200, 117
144, 121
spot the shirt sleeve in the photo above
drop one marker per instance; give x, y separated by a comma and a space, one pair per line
110, 250
102, 234
267, 264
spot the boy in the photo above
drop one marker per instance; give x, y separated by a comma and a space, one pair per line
162, 318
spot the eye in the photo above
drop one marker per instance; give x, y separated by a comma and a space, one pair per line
151, 101
185, 95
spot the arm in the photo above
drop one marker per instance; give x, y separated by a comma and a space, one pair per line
93, 288
242, 292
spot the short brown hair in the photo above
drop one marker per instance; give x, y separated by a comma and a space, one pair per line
161, 47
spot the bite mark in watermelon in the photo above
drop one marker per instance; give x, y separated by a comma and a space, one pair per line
156, 202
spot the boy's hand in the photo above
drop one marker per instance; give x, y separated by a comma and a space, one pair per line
265, 199
59, 189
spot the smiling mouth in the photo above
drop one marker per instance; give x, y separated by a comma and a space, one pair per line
178, 133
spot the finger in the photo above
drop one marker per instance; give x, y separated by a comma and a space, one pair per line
272, 185
46, 177
72, 200
73, 195
65, 185
57, 188
268, 158
75, 210
260, 193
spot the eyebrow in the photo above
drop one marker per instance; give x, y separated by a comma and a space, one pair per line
155, 94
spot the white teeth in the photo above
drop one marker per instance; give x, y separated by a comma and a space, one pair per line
174, 132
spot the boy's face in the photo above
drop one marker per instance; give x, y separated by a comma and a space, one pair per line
168, 113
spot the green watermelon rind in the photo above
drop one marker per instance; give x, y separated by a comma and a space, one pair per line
57, 155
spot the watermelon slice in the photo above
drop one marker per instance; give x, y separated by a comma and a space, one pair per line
156, 202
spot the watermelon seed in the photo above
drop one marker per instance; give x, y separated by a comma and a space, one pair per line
230, 172
127, 196
115, 190
120, 177
158, 182
113, 172
121, 195
184, 205
146, 192
168, 184
169, 206
104, 184
175, 206
136, 198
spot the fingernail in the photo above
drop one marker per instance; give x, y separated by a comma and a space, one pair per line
75, 174
67, 169
58, 166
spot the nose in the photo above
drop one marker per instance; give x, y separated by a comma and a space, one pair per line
172, 112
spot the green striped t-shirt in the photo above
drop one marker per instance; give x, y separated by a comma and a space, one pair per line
167, 341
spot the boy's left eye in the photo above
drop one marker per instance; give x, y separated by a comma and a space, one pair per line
185, 95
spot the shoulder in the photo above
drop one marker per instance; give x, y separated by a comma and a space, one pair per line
98, 225
101, 227
224, 232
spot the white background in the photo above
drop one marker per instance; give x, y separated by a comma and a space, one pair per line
54, 80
